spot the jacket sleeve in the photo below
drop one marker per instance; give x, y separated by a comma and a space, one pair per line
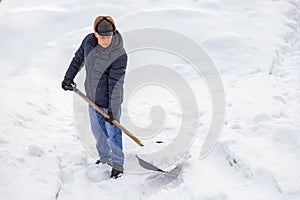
115, 83
77, 62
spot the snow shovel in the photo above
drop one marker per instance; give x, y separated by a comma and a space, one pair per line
142, 163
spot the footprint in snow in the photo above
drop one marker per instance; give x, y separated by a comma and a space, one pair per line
67, 175
97, 173
260, 118
280, 98
35, 150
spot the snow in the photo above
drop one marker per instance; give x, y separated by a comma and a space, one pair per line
255, 46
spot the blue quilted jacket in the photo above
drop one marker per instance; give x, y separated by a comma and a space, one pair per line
105, 70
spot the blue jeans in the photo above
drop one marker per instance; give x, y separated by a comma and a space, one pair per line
108, 137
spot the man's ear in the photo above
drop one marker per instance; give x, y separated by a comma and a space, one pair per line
96, 34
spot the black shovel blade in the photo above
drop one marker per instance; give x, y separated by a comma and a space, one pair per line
147, 165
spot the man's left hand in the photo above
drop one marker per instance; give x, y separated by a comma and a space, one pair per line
110, 119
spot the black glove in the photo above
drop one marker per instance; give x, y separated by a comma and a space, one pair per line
67, 84
111, 118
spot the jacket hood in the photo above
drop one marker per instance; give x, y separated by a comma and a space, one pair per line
117, 42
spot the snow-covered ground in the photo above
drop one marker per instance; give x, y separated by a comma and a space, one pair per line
255, 46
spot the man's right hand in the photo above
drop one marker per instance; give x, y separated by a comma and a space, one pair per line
67, 84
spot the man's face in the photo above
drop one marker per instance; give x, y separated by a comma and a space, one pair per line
104, 41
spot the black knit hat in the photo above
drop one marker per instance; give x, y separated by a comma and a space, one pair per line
105, 27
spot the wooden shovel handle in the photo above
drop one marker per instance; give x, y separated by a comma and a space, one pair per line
102, 112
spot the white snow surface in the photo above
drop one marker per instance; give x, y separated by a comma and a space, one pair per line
255, 46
